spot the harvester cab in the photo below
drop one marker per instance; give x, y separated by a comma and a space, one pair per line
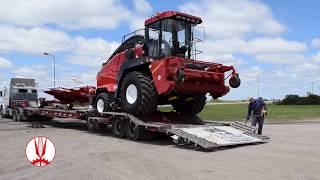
170, 34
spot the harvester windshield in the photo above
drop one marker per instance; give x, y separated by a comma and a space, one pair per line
170, 37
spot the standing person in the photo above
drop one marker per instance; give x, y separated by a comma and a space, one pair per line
257, 109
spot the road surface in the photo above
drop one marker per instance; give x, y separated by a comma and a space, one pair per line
293, 153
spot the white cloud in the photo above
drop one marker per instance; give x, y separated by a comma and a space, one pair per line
142, 6
91, 52
316, 42
83, 51
142, 11
4, 63
251, 73
226, 59
32, 40
30, 71
316, 57
234, 18
282, 58
240, 27
253, 46
71, 14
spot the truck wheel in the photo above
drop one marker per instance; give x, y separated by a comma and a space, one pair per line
138, 94
18, 116
103, 102
192, 107
118, 128
14, 115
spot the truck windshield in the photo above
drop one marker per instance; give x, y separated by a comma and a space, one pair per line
23, 90
175, 37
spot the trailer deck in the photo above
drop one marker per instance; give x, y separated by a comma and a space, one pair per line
207, 135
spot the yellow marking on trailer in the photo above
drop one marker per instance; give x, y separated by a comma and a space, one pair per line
173, 98
189, 99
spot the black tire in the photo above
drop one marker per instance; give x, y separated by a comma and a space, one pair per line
48, 118
133, 131
146, 99
14, 115
118, 128
234, 81
107, 99
192, 107
19, 116
90, 125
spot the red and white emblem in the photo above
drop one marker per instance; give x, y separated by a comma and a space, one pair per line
40, 151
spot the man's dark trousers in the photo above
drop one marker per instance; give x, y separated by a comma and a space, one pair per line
258, 119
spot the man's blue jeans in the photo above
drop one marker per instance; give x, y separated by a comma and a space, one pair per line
258, 119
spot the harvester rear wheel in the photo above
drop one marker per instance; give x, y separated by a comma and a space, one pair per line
192, 107
138, 94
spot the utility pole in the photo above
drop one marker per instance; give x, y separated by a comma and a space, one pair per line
312, 86
54, 67
258, 87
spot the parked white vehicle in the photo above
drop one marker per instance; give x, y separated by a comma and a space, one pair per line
20, 93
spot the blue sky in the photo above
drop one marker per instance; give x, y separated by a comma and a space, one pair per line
278, 41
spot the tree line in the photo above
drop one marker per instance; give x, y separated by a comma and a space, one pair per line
293, 99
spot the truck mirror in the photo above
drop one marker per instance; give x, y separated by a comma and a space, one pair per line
1, 94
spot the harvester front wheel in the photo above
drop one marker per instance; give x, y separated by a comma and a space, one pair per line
138, 94
191, 107
103, 102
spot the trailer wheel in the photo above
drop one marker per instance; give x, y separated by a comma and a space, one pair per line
192, 107
48, 119
133, 131
136, 132
138, 94
90, 125
118, 128
103, 102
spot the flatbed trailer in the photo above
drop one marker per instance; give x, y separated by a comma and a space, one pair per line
183, 129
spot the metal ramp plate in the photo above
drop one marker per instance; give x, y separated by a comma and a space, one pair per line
209, 137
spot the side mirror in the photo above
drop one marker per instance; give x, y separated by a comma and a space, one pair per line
1, 94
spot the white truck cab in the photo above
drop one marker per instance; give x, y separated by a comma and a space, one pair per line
21, 92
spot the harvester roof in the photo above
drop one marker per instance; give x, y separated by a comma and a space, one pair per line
175, 15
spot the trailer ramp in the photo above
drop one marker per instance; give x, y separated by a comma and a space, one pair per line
215, 136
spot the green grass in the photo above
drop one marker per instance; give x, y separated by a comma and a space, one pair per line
276, 113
